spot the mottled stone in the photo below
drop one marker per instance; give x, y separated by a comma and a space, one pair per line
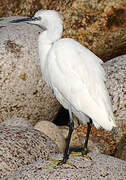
21, 146
100, 167
52, 131
121, 148
16, 122
116, 84
23, 93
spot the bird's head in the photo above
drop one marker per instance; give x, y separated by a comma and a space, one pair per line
43, 18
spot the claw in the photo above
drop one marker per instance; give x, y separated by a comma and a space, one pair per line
50, 166
58, 163
81, 154
87, 157
84, 151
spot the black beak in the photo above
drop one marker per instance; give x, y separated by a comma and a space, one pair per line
24, 20
2, 26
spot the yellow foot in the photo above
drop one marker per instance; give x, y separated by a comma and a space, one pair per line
80, 154
57, 163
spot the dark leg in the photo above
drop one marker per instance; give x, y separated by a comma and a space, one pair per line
71, 128
84, 151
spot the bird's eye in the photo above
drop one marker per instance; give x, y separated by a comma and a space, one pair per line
38, 18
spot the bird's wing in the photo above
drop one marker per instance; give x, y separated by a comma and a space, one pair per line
78, 75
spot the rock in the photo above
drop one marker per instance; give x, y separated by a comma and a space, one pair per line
16, 122
23, 93
121, 148
99, 25
21, 146
116, 84
52, 131
22, 8
100, 167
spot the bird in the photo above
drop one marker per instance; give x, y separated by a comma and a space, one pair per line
75, 74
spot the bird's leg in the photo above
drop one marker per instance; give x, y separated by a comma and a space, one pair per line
66, 152
71, 128
84, 151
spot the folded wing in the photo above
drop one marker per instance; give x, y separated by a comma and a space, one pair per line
76, 73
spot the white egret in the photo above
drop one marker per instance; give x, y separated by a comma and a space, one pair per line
74, 73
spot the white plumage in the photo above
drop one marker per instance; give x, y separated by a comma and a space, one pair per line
73, 72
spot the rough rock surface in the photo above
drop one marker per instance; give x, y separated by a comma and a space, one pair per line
116, 84
100, 25
21, 146
100, 167
23, 93
121, 148
52, 131
16, 122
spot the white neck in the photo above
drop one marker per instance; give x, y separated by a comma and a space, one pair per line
53, 32
46, 40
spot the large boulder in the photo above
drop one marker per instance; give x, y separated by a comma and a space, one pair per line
23, 93
16, 122
116, 84
100, 167
21, 146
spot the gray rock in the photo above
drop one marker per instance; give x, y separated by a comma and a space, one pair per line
21, 146
16, 122
23, 93
100, 167
116, 84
